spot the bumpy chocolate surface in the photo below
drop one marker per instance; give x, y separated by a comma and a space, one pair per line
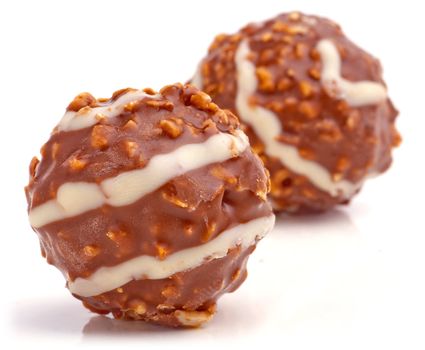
348, 139
188, 211
189, 296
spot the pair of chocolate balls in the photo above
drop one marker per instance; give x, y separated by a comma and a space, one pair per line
151, 202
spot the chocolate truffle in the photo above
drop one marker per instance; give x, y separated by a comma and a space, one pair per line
314, 106
149, 203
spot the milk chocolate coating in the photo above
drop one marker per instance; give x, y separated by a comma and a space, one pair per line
187, 211
350, 142
158, 300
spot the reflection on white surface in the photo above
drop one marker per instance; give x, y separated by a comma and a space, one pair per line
307, 266
106, 326
62, 317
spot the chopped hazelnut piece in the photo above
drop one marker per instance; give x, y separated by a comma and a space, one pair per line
352, 120
161, 251
91, 251
342, 164
169, 292
308, 109
116, 236
336, 177
284, 84
328, 130
296, 29
222, 116
299, 50
131, 124
131, 148
82, 100
290, 139
276, 106
138, 306
77, 164
149, 91
314, 54
132, 106
290, 101
290, 73
266, 37
306, 153
281, 183
209, 124
160, 104
223, 174
279, 26
294, 16
165, 308
193, 318
203, 101
170, 128
262, 194
265, 79
305, 88
314, 73
98, 137
308, 193
174, 200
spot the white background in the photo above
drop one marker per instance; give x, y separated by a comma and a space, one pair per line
350, 279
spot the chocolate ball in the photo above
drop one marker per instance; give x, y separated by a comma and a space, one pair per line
149, 203
313, 103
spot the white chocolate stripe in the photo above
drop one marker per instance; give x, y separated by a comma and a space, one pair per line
147, 267
267, 126
356, 94
87, 116
74, 198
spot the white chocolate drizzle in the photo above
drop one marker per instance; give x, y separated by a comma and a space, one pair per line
74, 198
356, 94
267, 126
105, 279
87, 116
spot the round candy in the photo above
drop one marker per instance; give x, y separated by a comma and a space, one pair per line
314, 106
149, 203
